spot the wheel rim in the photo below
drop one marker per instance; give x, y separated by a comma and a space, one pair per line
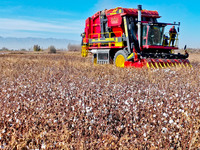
120, 61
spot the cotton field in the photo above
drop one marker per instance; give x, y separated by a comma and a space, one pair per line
63, 101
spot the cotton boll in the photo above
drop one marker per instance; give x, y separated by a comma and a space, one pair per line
171, 121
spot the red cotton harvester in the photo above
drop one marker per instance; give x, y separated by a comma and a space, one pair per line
131, 37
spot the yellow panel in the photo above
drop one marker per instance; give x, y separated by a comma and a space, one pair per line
109, 39
119, 44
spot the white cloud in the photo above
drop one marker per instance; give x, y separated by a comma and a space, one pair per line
29, 25
32, 11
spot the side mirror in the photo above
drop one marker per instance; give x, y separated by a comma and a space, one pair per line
178, 29
83, 34
185, 47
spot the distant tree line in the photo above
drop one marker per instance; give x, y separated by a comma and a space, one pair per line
50, 49
6, 49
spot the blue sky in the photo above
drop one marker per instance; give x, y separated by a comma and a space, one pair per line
66, 18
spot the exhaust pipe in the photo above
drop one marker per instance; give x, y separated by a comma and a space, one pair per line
139, 24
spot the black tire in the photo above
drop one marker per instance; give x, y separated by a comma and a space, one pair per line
94, 59
120, 57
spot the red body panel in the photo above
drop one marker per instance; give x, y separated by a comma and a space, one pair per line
138, 64
114, 20
118, 31
95, 25
87, 29
158, 47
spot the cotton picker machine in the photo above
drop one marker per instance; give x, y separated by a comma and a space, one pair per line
131, 38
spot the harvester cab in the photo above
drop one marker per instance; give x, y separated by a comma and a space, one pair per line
132, 38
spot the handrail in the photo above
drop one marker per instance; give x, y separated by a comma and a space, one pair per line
104, 33
168, 40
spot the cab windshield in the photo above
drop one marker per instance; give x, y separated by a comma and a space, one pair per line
153, 34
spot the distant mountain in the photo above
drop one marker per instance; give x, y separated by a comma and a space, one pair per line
29, 42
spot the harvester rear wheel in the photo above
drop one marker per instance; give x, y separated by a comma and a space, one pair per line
120, 57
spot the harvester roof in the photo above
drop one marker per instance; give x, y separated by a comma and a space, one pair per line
132, 11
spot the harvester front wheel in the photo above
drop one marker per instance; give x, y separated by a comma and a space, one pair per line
120, 57
94, 59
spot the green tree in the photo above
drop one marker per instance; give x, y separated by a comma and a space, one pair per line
36, 48
52, 49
